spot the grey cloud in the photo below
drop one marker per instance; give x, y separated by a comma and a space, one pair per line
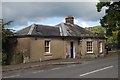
49, 0
0, 10
24, 12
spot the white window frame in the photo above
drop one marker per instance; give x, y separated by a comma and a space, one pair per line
89, 47
47, 46
100, 47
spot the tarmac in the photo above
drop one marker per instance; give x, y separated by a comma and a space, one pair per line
7, 68
39, 64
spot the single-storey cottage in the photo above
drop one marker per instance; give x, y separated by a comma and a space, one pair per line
64, 40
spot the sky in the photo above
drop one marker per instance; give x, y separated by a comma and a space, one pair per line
24, 14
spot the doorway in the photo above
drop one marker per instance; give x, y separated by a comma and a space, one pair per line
72, 49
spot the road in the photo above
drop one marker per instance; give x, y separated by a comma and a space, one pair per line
99, 68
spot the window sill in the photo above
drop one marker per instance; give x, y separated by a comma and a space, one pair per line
90, 52
48, 54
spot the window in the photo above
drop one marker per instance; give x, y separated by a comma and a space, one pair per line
89, 47
100, 47
47, 46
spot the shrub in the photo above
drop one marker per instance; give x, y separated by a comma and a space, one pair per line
18, 58
4, 57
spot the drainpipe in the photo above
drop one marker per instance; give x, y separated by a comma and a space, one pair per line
64, 46
79, 43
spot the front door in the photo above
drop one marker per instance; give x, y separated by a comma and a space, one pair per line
72, 49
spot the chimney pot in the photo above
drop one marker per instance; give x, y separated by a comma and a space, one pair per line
69, 19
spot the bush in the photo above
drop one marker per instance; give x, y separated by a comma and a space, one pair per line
18, 58
4, 57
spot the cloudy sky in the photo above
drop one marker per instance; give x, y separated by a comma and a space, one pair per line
50, 13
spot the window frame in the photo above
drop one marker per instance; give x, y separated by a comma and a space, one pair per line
45, 46
90, 47
100, 47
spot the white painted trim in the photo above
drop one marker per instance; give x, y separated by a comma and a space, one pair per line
92, 47
100, 47
60, 31
64, 29
90, 52
73, 50
49, 46
31, 29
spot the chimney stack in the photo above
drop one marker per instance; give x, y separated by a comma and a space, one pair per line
69, 19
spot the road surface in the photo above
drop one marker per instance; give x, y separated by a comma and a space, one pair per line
99, 68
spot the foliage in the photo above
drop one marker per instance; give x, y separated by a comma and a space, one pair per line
8, 23
98, 29
5, 34
4, 57
102, 31
17, 58
111, 20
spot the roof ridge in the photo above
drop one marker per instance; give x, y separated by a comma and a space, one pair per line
46, 25
31, 29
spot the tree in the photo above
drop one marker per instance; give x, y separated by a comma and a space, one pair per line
98, 29
102, 31
5, 34
111, 20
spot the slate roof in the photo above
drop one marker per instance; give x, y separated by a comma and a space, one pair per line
62, 29
73, 30
40, 30
24, 31
45, 30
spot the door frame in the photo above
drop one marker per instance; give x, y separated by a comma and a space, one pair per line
72, 54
